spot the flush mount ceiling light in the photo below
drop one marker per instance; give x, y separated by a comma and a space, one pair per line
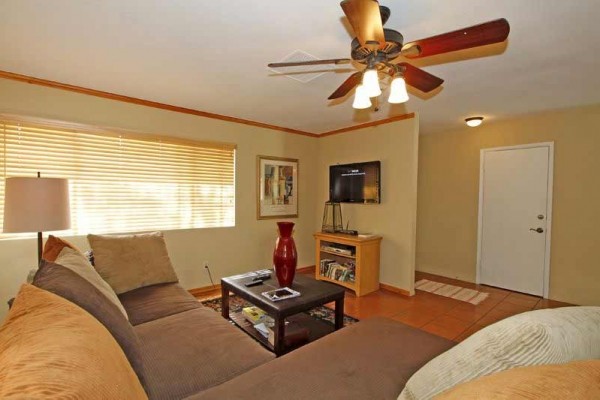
474, 121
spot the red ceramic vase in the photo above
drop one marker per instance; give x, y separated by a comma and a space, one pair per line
285, 257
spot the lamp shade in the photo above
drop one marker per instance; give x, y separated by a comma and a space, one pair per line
36, 204
371, 83
361, 99
398, 91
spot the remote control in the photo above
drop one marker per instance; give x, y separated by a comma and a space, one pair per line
253, 283
262, 277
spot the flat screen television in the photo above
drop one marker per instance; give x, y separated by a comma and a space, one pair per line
355, 183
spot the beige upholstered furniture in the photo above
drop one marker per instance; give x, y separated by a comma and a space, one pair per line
172, 347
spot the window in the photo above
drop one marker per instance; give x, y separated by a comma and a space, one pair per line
124, 182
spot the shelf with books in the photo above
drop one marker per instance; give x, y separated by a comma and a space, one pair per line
336, 254
348, 261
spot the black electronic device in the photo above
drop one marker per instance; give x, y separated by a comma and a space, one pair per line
253, 282
262, 277
355, 183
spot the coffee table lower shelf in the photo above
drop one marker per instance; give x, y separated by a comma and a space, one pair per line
316, 329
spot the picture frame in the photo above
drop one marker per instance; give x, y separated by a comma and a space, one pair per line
277, 187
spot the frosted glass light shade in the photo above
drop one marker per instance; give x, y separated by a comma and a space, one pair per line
398, 91
361, 99
371, 83
474, 121
36, 204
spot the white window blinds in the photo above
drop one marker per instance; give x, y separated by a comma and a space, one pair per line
122, 182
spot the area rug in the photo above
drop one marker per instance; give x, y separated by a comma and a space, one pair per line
236, 304
454, 292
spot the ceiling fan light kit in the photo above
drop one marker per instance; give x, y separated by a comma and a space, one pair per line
361, 98
371, 83
474, 121
398, 92
380, 50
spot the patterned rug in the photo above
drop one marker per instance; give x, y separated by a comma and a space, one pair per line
454, 292
237, 303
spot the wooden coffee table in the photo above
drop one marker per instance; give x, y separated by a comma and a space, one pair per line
314, 293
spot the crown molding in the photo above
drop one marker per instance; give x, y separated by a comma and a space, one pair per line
134, 100
368, 124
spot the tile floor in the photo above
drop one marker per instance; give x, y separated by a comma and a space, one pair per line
443, 316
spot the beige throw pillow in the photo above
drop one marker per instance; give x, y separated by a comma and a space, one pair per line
129, 262
78, 263
52, 349
577, 380
532, 338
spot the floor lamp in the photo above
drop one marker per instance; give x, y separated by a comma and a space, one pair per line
36, 205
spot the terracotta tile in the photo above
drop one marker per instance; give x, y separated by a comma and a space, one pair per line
415, 317
522, 299
512, 307
496, 315
468, 312
446, 326
468, 332
547, 303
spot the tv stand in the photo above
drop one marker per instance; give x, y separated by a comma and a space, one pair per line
350, 261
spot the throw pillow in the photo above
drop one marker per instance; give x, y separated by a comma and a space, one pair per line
78, 263
129, 262
54, 246
50, 348
574, 380
73, 287
537, 337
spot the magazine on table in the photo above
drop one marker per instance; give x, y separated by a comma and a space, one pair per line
280, 294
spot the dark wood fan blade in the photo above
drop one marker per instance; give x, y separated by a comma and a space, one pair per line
347, 86
314, 62
365, 18
420, 79
474, 36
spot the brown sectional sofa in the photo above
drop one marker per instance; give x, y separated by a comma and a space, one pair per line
186, 347
190, 350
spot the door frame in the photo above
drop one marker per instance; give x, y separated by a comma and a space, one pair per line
550, 185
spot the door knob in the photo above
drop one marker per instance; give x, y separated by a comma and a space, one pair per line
538, 230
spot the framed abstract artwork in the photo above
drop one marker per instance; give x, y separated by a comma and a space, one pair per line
277, 187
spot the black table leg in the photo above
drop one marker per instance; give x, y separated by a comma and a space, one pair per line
224, 301
339, 313
279, 334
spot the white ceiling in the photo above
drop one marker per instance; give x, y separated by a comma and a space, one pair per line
212, 55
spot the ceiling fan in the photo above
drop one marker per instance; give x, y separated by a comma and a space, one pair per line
379, 49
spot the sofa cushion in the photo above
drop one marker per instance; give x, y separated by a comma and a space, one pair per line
51, 348
371, 359
191, 351
532, 338
128, 262
577, 380
71, 286
78, 263
157, 301
54, 246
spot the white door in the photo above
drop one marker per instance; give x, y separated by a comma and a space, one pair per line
514, 217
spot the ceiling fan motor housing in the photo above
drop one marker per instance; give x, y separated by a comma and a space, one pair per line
393, 45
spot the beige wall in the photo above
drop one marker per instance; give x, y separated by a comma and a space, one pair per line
246, 246
396, 146
449, 189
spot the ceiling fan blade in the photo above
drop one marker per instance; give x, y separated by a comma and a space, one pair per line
365, 18
479, 35
347, 86
313, 62
420, 79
